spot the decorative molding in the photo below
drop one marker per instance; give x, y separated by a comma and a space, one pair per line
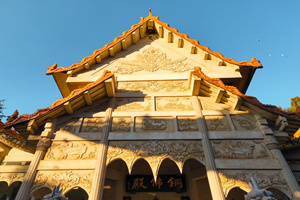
75, 150
154, 152
153, 86
187, 124
121, 124
43, 144
240, 149
12, 177
133, 104
173, 103
68, 179
152, 60
265, 179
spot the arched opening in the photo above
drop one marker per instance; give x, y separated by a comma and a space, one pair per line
3, 190
279, 195
114, 185
236, 194
13, 189
197, 182
77, 194
39, 193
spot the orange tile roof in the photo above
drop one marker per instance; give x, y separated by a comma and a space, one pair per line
15, 119
248, 98
53, 69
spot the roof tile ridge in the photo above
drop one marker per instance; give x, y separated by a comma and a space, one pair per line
53, 69
25, 117
253, 63
251, 99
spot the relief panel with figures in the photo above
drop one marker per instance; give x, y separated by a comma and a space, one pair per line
72, 150
217, 123
121, 124
173, 103
133, 104
240, 149
154, 124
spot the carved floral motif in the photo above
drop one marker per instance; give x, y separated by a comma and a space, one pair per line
92, 125
217, 123
68, 179
173, 103
187, 124
121, 124
11, 177
71, 127
240, 149
243, 122
152, 60
78, 150
133, 105
265, 179
154, 124
153, 86
155, 152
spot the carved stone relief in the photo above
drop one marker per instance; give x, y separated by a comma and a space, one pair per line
133, 104
152, 60
173, 103
217, 123
265, 179
244, 122
11, 177
121, 124
207, 106
240, 149
153, 86
187, 124
92, 125
71, 126
73, 150
154, 124
155, 152
68, 179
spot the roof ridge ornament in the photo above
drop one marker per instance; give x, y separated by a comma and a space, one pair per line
150, 14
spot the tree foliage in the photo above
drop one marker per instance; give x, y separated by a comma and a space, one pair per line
294, 103
2, 108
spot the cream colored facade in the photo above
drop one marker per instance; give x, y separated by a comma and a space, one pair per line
152, 117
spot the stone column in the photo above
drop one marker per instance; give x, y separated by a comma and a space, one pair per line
272, 144
42, 147
100, 170
211, 169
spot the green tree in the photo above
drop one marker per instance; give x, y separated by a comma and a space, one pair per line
294, 103
2, 108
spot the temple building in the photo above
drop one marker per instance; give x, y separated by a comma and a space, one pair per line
151, 115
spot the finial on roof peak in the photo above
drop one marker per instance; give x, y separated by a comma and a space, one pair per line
150, 14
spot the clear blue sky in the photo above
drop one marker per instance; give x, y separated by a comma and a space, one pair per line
36, 34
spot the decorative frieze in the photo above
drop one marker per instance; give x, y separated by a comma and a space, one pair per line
73, 150
217, 123
121, 124
152, 60
92, 124
244, 122
68, 179
208, 106
11, 177
173, 104
153, 86
70, 126
133, 104
265, 179
240, 149
187, 124
155, 152
154, 124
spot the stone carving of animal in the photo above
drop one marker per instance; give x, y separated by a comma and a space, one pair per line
72, 149
55, 195
239, 148
257, 194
